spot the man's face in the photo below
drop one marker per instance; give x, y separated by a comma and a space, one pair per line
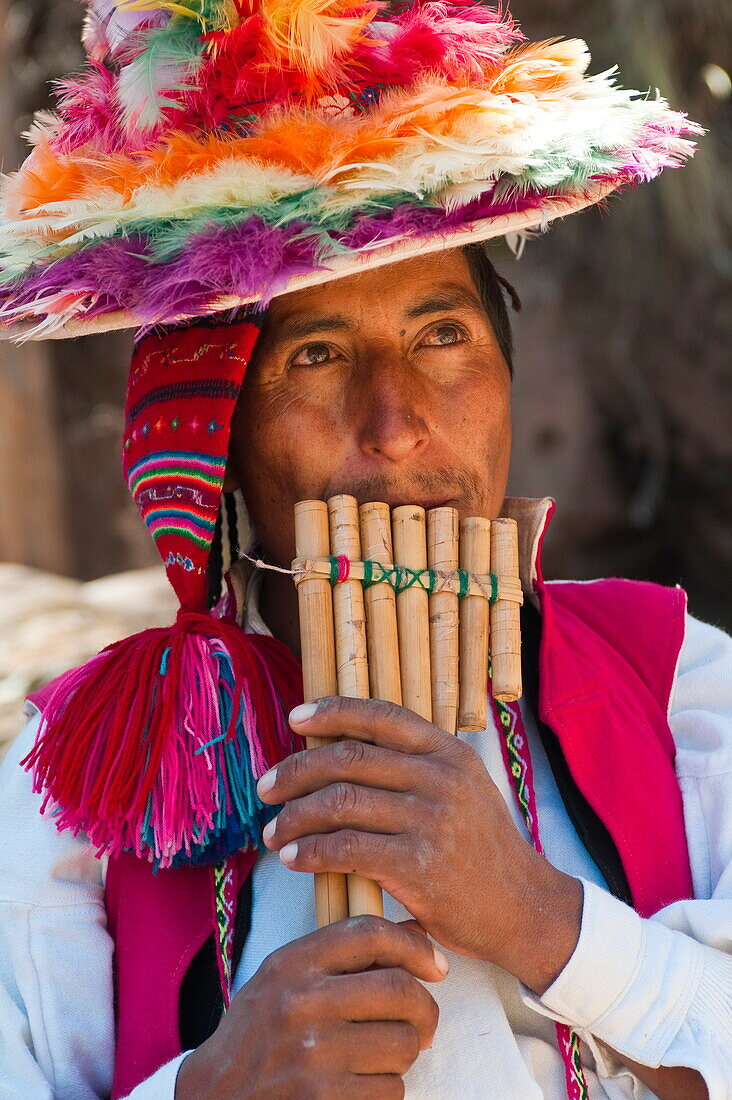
388, 385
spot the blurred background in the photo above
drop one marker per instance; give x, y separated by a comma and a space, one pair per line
623, 392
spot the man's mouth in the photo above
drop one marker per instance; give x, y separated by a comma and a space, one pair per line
378, 491
398, 500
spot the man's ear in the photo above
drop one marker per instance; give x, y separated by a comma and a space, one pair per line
231, 481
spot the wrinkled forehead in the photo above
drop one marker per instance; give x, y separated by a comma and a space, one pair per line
387, 296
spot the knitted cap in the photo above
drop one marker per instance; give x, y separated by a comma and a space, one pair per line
155, 746
219, 152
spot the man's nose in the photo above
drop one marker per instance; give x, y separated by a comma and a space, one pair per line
394, 423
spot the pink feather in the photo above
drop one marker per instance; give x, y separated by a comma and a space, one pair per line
89, 112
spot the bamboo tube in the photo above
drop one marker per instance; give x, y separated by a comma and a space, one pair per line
348, 604
315, 603
506, 615
442, 554
410, 549
349, 615
380, 600
475, 556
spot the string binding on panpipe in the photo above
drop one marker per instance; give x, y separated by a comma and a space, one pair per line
401, 604
399, 577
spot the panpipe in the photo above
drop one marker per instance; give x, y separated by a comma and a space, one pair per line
408, 606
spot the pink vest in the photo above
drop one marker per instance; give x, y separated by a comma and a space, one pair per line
608, 656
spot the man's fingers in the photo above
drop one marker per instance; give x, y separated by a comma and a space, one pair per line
341, 805
349, 852
385, 724
380, 1047
386, 1086
384, 746
358, 943
386, 994
347, 761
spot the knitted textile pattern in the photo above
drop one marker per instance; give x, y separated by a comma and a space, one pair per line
517, 762
218, 152
181, 395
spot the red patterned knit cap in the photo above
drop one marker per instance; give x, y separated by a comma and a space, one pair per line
155, 745
182, 392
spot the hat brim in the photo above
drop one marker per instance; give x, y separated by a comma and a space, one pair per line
485, 229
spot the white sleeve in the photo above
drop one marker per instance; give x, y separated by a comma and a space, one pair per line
660, 990
56, 1001
161, 1086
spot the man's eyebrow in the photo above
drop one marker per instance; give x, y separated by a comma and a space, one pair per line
453, 297
299, 327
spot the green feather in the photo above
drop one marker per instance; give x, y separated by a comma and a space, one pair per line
168, 63
211, 15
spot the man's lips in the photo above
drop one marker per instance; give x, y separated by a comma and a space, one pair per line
423, 502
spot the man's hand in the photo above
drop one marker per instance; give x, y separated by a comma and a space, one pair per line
318, 1023
402, 802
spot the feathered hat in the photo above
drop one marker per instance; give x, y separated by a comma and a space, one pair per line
216, 153
220, 152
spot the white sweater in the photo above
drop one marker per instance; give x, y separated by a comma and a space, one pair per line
659, 990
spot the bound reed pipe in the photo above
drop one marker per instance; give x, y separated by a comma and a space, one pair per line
413, 616
475, 557
349, 615
402, 606
380, 599
317, 643
443, 555
505, 615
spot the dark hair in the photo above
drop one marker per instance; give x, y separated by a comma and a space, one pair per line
215, 570
494, 290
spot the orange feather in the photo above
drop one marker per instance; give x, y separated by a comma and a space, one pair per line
311, 34
541, 67
305, 142
43, 178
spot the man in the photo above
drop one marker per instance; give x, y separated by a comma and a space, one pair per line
387, 380
407, 403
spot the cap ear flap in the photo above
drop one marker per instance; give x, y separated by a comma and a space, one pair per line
181, 398
156, 744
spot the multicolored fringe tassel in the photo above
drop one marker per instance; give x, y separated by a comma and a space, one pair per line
155, 746
517, 761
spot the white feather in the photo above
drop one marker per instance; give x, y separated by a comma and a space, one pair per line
44, 127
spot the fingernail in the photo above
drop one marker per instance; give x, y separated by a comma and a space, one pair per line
269, 830
289, 853
440, 960
303, 713
267, 782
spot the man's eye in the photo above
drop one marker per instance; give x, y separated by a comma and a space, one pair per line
443, 335
312, 355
